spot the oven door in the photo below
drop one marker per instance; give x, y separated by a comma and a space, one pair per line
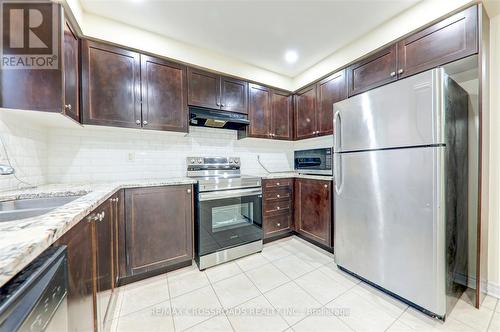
228, 218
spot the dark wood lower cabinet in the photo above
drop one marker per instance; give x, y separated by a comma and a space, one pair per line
159, 230
277, 195
102, 219
79, 242
313, 210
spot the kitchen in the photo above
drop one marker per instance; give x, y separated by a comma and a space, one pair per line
241, 196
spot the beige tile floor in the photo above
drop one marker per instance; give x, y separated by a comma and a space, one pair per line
290, 286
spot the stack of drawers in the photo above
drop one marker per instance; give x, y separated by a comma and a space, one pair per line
278, 207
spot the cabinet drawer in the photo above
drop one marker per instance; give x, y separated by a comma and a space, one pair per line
277, 183
278, 194
277, 224
277, 207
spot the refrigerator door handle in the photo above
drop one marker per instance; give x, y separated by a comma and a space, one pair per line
337, 127
337, 175
337, 162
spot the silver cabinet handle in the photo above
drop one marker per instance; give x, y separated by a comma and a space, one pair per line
144, 122
277, 183
93, 217
101, 216
67, 107
326, 186
278, 195
278, 224
277, 208
137, 122
400, 71
393, 73
189, 191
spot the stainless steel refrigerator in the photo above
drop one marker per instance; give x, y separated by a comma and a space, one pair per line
400, 203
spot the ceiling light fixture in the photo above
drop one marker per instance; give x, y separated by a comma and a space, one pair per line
291, 56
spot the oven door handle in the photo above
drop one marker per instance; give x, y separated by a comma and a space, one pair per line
213, 195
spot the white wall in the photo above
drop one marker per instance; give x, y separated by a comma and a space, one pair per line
105, 29
26, 146
95, 153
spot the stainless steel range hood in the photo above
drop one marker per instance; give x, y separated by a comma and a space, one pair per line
203, 117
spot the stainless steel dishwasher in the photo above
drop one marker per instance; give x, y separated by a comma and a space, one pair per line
35, 298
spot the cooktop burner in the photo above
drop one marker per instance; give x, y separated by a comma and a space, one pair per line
219, 173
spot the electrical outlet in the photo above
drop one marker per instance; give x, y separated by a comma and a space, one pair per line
131, 156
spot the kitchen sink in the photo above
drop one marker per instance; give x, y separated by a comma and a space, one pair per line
27, 208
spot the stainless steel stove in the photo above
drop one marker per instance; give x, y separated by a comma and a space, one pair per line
228, 210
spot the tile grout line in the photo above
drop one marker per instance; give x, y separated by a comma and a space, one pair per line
397, 318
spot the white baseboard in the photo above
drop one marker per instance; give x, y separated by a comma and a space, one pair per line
493, 289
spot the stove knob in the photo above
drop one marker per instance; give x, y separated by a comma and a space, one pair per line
200, 161
236, 161
193, 161
231, 161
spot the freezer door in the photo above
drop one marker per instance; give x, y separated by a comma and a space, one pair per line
404, 113
389, 222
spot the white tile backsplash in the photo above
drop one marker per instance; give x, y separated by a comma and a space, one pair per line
97, 153
65, 154
26, 145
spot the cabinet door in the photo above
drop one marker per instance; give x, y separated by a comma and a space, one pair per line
330, 90
234, 95
443, 42
80, 276
120, 254
71, 73
110, 86
313, 206
102, 218
164, 94
259, 111
160, 217
203, 88
378, 69
282, 115
305, 113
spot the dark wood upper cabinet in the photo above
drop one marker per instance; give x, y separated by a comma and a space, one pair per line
259, 111
282, 115
305, 112
451, 39
313, 210
110, 85
160, 217
376, 70
330, 90
164, 94
234, 95
71, 72
48, 90
203, 88
211, 90
80, 298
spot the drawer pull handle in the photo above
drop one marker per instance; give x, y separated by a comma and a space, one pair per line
277, 183
278, 224
278, 195
277, 208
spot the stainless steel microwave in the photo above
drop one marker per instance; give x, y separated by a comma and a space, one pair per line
314, 161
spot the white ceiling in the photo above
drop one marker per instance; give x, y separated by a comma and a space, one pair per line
256, 32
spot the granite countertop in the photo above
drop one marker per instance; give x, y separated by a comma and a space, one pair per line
23, 240
282, 175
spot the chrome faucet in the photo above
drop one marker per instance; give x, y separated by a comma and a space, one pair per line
6, 170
